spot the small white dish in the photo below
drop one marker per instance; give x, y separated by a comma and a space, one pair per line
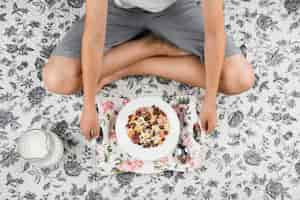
137, 151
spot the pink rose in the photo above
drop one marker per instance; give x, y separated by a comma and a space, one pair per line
112, 135
138, 163
124, 167
130, 165
187, 141
164, 160
106, 106
125, 101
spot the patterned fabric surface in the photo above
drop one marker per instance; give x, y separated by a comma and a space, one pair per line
256, 150
110, 159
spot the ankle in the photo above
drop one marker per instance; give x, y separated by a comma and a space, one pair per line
152, 45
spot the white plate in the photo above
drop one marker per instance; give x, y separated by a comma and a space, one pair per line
137, 151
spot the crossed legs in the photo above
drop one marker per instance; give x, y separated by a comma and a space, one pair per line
148, 56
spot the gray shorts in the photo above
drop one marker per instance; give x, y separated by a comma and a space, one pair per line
181, 24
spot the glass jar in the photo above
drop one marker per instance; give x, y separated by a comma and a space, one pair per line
40, 147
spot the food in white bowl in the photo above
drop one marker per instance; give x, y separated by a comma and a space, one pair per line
147, 148
148, 126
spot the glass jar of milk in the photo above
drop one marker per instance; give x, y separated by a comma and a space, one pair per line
41, 148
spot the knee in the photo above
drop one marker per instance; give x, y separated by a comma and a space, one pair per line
50, 79
247, 79
54, 82
241, 82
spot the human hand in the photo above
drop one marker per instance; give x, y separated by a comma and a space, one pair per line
89, 123
208, 116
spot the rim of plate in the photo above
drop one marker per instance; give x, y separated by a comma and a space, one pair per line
137, 151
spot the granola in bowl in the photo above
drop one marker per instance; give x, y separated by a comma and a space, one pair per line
148, 126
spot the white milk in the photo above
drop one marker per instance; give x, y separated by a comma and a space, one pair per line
33, 144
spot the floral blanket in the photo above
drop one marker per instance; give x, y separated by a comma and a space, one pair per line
255, 150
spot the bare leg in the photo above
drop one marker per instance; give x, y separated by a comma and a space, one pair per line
137, 50
68, 79
237, 74
137, 57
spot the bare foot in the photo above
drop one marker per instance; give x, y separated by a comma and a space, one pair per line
162, 47
106, 80
102, 83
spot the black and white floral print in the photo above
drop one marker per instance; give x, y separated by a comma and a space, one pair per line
256, 145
